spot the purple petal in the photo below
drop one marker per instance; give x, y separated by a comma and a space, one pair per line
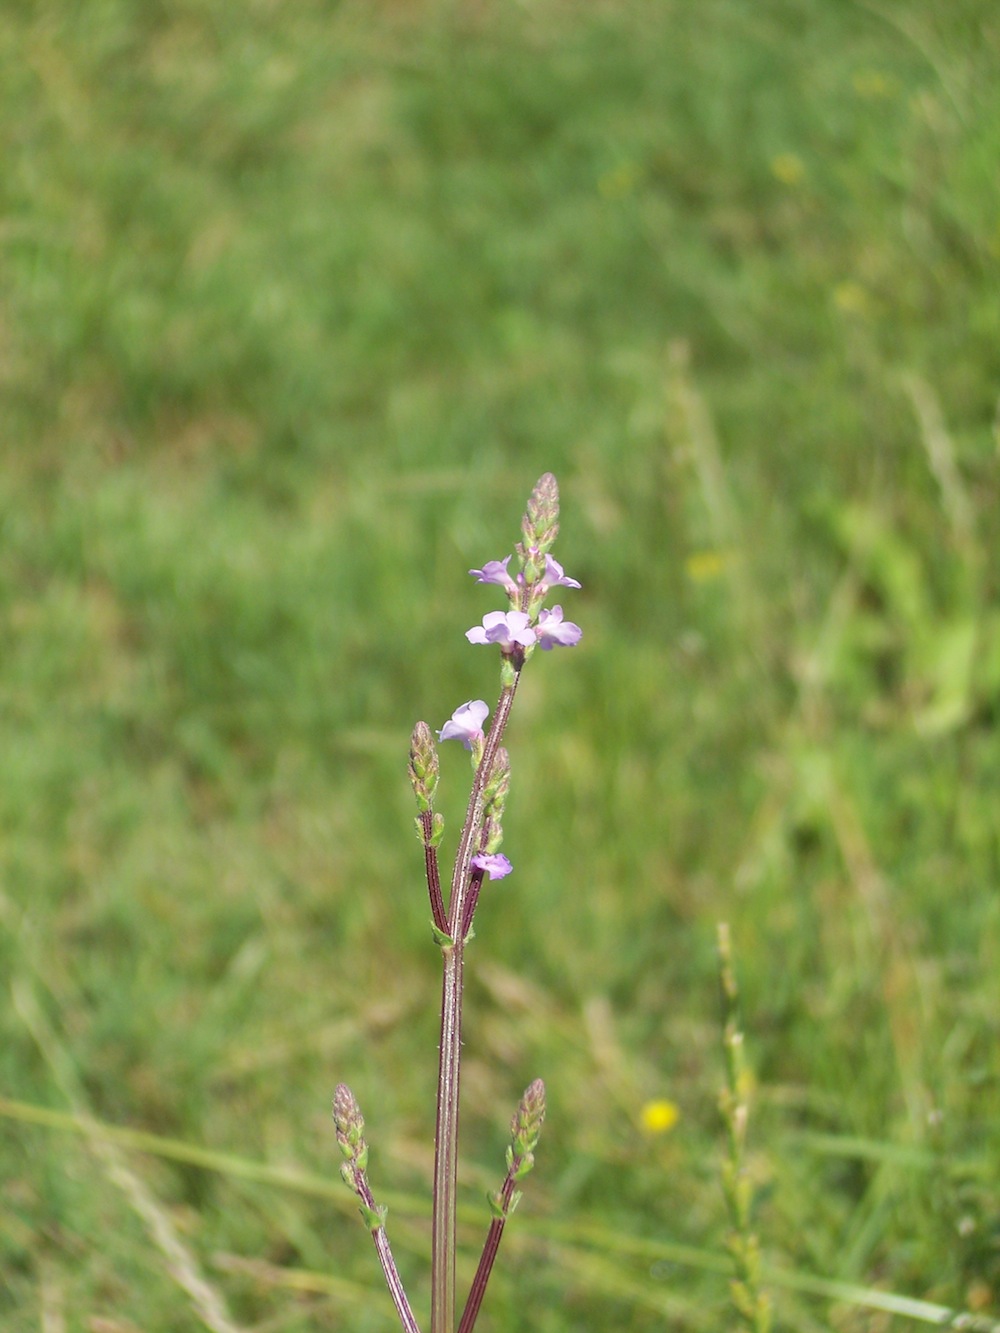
495, 865
466, 723
554, 632
495, 571
505, 628
555, 577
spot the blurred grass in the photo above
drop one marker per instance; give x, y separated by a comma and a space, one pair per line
296, 303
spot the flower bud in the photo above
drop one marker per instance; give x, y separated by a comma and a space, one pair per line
433, 838
526, 1124
350, 1126
539, 527
492, 835
423, 766
497, 785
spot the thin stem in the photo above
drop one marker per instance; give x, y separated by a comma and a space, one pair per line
433, 874
350, 1126
752, 1303
486, 1261
474, 815
525, 1128
475, 884
443, 1229
393, 1281
446, 1144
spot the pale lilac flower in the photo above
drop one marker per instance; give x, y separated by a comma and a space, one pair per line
506, 628
554, 576
553, 631
495, 571
495, 865
466, 723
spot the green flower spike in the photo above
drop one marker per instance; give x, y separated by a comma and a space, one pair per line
539, 528
494, 800
423, 766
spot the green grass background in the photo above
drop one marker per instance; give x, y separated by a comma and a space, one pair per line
296, 303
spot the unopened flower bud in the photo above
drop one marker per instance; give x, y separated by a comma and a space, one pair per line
374, 1218
433, 839
350, 1126
539, 527
525, 1165
497, 784
492, 835
437, 830
423, 766
526, 1124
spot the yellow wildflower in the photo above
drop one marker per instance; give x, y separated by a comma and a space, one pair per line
659, 1117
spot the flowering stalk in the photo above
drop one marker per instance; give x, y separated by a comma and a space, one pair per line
443, 1224
350, 1127
517, 633
423, 770
525, 1129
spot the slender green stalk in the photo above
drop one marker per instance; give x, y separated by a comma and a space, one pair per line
443, 1228
752, 1303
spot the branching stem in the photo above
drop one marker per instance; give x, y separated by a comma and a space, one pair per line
443, 1237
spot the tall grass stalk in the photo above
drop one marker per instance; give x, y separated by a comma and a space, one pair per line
752, 1303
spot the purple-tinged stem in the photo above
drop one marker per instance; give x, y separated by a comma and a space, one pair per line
393, 1281
446, 1143
350, 1127
486, 1261
443, 1226
475, 884
433, 874
525, 1129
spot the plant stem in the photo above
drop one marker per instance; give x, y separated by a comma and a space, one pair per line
486, 1261
433, 874
446, 1144
392, 1279
350, 1125
453, 955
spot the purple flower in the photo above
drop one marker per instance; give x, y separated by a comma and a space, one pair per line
496, 865
495, 571
466, 724
507, 628
554, 576
552, 630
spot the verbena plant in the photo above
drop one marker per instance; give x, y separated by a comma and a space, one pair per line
517, 632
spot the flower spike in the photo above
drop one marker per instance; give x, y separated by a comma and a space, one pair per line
540, 526
423, 766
